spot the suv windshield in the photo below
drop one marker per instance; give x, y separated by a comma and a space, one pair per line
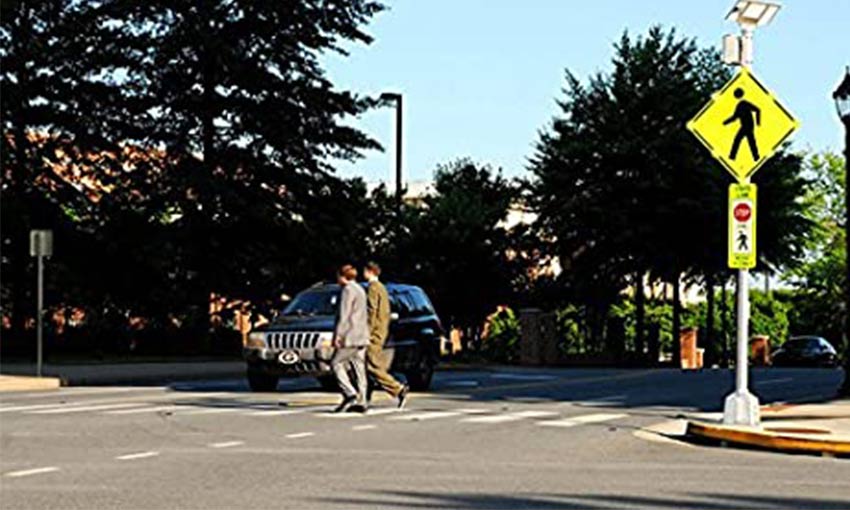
317, 302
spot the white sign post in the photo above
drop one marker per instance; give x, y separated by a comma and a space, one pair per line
41, 246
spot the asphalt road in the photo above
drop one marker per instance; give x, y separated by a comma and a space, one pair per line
505, 439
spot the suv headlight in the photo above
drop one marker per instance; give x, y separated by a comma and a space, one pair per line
326, 341
256, 340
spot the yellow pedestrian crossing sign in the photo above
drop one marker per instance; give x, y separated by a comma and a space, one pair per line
742, 226
743, 125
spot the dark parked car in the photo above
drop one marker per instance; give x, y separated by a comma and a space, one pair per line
806, 351
300, 341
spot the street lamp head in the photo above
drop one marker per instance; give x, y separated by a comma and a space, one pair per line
842, 98
753, 13
390, 96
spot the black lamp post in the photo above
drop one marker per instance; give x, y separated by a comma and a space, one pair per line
842, 105
394, 97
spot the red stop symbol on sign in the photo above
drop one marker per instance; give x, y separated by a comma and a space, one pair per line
742, 212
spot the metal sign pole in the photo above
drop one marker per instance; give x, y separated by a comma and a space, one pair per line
742, 407
40, 311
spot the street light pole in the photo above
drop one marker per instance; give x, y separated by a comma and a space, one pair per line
842, 105
742, 407
397, 99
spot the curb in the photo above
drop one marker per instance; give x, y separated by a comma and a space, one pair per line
767, 440
21, 383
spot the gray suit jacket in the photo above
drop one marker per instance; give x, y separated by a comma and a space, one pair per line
352, 322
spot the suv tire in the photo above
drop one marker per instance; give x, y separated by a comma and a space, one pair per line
420, 379
261, 381
328, 383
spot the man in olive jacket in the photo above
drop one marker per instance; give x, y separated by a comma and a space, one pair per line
351, 336
377, 362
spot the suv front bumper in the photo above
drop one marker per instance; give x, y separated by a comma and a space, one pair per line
310, 361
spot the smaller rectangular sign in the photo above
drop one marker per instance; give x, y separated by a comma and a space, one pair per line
742, 226
41, 243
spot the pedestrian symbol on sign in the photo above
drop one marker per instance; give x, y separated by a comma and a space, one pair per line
748, 116
743, 241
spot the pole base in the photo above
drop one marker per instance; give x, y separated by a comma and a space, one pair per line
741, 408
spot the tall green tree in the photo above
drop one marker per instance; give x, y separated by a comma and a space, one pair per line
818, 305
456, 244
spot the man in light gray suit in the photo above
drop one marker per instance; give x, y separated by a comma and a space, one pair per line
351, 336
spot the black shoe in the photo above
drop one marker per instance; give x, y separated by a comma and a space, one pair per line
345, 405
358, 408
402, 396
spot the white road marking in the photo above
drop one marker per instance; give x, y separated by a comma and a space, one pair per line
509, 417
300, 435
134, 456
84, 390
210, 410
226, 444
581, 420
428, 415
141, 400
28, 472
82, 409
364, 427
472, 411
601, 401
774, 381
279, 412
523, 377
152, 409
466, 384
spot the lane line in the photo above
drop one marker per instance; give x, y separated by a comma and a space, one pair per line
70, 392
582, 420
153, 409
428, 415
464, 384
226, 444
523, 377
300, 435
280, 412
28, 472
210, 410
768, 382
142, 400
134, 456
364, 427
505, 418
83, 409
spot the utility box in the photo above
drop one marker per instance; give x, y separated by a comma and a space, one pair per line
760, 350
538, 344
689, 356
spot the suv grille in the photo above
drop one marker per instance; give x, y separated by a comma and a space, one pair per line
293, 340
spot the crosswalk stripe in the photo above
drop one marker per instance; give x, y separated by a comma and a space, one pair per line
509, 417
81, 409
226, 444
209, 410
28, 472
278, 412
151, 409
581, 420
300, 435
134, 456
141, 400
429, 415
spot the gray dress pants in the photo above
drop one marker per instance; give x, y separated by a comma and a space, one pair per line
346, 360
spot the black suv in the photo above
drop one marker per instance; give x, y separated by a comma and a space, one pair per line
300, 340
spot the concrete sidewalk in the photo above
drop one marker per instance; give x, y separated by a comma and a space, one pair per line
130, 373
26, 383
819, 429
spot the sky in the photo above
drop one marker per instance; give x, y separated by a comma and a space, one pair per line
480, 77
